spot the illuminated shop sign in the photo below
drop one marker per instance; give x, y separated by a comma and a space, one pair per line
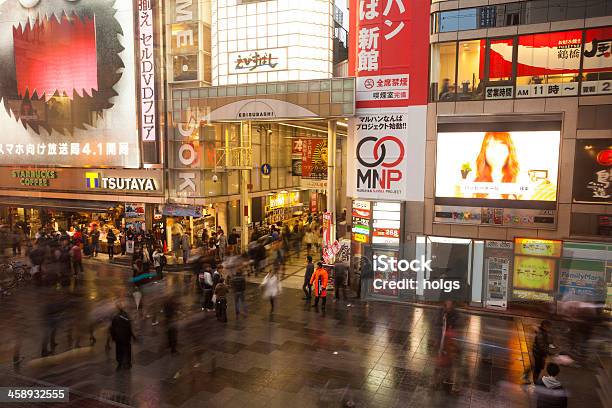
386, 223
537, 247
38, 178
257, 61
95, 180
593, 171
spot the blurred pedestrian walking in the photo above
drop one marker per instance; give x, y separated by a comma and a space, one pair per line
271, 287
238, 284
122, 335
307, 286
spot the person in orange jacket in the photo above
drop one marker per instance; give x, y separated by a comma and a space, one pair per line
319, 281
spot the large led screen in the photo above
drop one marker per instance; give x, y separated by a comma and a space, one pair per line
67, 83
517, 166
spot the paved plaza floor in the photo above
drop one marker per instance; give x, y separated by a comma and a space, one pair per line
369, 354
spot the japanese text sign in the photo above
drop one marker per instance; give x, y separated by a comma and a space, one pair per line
387, 38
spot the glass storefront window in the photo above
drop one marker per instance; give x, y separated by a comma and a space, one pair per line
443, 67
468, 73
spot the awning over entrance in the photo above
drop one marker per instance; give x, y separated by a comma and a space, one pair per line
58, 204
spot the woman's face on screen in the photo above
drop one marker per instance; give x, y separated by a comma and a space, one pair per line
497, 154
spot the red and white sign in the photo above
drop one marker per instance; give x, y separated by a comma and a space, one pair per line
382, 87
390, 38
598, 50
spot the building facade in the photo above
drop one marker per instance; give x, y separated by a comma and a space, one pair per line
518, 137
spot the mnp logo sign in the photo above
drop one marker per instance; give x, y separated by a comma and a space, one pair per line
382, 158
388, 154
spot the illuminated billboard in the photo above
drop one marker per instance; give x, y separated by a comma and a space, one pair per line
67, 83
515, 166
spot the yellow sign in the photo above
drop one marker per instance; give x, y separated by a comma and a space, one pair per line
533, 273
281, 200
537, 247
360, 238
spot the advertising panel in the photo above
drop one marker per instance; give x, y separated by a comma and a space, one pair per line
314, 159
68, 84
582, 280
387, 154
538, 247
361, 221
386, 222
514, 166
593, 171
389, 40
500, 217
533, 273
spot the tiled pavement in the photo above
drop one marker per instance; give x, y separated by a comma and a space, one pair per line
373, 354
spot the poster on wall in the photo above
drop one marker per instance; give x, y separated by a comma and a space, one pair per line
68, 84
593, 171
516, 166
387, 154
134, 210
314, 159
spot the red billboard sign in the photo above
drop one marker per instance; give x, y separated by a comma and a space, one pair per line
388, 44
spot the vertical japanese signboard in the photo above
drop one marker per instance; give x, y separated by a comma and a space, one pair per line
388, 50
147, 71
593, 171
389, 41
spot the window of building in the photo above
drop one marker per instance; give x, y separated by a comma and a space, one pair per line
520, 12
185, 67
597, 64
548, 58
443, 69
500, 53
469, 62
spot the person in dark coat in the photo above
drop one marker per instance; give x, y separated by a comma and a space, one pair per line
541, 348
110, 241
307, 286
549, 391
122, 335
340, 277
238, 284
171, 312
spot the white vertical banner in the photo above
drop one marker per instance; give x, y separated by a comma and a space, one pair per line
387, 153
147, 71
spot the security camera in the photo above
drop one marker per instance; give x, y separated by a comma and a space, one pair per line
215, 178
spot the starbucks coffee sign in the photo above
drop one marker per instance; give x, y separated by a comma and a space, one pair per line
37, 178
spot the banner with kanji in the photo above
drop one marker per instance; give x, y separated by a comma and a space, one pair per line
388, 52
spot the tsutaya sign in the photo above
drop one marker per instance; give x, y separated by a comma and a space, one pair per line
387, 47
96, 180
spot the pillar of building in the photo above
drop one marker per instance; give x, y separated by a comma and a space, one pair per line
331, 175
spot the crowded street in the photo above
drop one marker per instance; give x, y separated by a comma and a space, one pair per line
369, 354
313, 203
